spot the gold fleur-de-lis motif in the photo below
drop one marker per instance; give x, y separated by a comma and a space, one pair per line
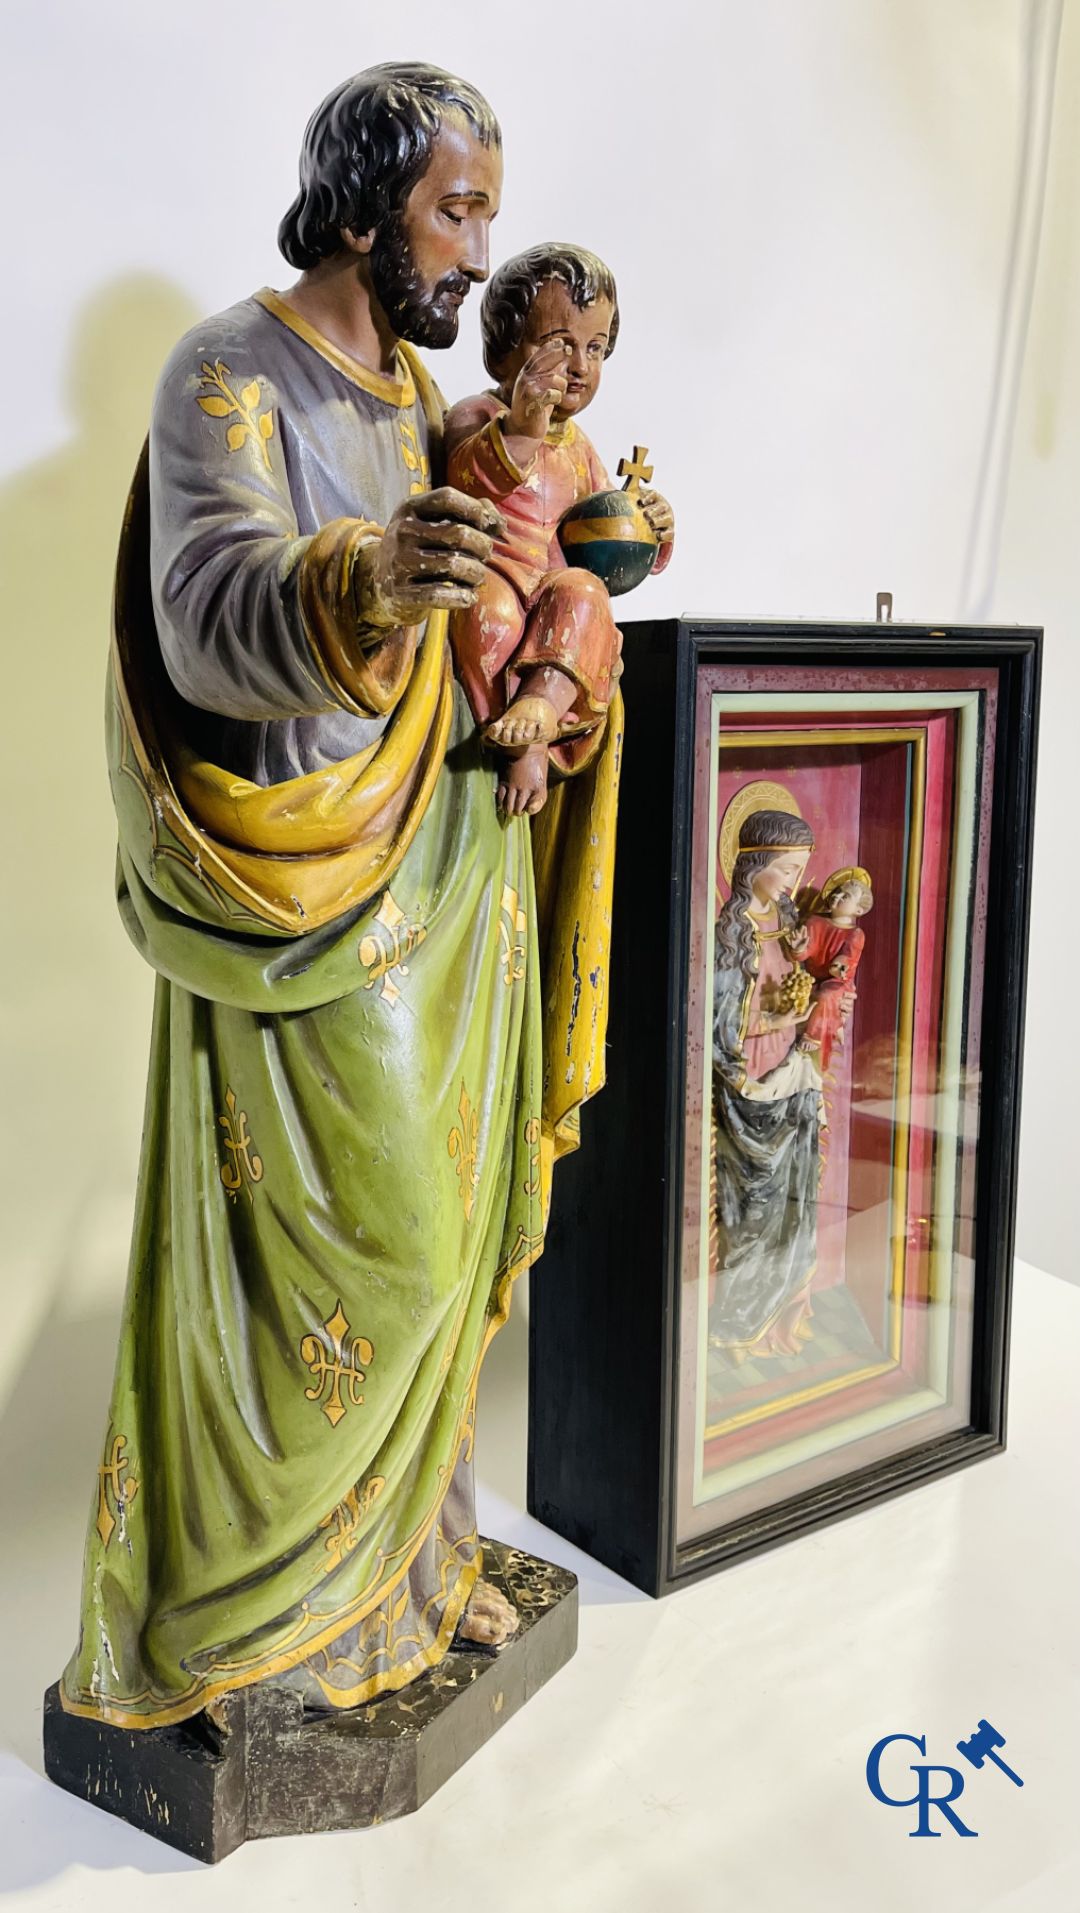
344, 1520
242, 1166
414, 456
462, 1146
325, 1356
371, 1491
111, 1487
513, 931
380, 957
532, 1137
224, 402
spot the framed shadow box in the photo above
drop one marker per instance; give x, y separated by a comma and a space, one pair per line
776, 1282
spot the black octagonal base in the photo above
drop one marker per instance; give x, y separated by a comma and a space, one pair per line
278, 1769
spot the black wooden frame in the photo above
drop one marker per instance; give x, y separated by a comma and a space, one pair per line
604, 1327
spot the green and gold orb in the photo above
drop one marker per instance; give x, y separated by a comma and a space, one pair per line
609, 535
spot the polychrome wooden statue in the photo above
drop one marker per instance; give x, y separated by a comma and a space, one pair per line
354, 1099
538, 650
829, 945
783, 991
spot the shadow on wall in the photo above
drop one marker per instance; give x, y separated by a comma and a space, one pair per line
1038, 580
76, 1037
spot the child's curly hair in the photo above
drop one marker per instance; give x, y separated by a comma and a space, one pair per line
509, 298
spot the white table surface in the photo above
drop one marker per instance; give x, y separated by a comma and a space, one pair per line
705, 1751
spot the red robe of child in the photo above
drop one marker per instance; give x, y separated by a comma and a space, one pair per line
532, 608
829, 943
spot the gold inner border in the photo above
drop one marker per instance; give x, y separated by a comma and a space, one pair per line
883, 734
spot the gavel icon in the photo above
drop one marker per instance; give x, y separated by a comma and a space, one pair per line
980, 1747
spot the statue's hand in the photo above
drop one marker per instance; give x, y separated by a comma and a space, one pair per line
539, 386
770, 1021
430, 557
659, 514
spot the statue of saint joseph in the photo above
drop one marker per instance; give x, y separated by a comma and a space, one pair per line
379, 1003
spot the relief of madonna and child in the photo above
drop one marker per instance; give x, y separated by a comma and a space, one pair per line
786, 956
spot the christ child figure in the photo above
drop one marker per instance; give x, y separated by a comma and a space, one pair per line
538, 652
829, 945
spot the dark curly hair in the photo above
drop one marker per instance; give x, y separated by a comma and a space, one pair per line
366, 146
509, 298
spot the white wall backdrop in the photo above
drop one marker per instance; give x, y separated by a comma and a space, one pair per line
811, 207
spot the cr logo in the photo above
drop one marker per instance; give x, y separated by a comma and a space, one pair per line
923, 1798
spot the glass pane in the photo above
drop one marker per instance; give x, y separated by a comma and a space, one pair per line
841, 837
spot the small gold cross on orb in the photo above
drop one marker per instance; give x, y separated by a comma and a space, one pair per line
635, 471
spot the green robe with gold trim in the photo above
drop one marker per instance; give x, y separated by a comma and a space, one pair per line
372, 1032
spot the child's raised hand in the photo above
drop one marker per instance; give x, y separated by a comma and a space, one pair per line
539, 386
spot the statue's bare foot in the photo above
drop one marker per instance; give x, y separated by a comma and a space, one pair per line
525, 721
522, 785
489, 1618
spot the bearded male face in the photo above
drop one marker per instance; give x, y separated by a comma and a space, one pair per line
424, 258
424, 313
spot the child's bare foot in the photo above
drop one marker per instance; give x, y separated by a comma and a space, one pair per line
525, 721
523, 783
